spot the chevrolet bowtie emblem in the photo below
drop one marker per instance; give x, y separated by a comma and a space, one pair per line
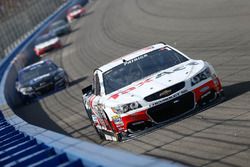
165, 92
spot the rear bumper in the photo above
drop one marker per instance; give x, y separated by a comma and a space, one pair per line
72, 17
40, 52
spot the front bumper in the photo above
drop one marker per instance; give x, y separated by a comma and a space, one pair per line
46, 88
169, 110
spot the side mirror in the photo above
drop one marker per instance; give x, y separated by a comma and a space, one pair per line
87, 90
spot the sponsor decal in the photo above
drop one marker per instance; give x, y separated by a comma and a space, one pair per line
117, 120
116, 95
137, 123
135, 59
204, 89
165, 100
162, 74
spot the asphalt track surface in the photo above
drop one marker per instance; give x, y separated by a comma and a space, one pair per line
216, 30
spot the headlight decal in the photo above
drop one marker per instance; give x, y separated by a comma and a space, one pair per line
126, 107
201, 76
27, 89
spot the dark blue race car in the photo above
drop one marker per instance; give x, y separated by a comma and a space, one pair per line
41, 78
59, 28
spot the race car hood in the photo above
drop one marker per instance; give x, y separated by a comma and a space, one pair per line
42, 78
47, 43
60, 29
156, 82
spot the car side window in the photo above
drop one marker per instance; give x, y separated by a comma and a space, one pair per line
96, 85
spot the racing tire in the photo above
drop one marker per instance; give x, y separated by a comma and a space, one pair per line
89, 114
26, 100
100, 133
118, 137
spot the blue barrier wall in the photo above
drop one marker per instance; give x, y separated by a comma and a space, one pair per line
7, 59
23, 55
20, 149
21, 144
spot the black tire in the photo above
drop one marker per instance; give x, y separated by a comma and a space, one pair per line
89, 113
118, 137
100, 133
26, 100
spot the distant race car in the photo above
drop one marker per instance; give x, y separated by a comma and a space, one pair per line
46, 43
41, 78
147, 87
59, 28
75, 12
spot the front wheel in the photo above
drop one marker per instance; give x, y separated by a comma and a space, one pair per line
100, 133
89, 114
118, 137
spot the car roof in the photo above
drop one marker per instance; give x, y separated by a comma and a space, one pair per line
36, 64
58, 21
45, 36
130, 56
74, 7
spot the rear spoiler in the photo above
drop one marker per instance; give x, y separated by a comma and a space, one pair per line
87, 89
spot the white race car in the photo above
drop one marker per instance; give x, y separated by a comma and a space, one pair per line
46, 43
75, 12
147, 87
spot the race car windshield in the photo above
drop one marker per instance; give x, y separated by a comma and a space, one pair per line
57, 24
44, 38
75, 8
36, 71
140, 67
